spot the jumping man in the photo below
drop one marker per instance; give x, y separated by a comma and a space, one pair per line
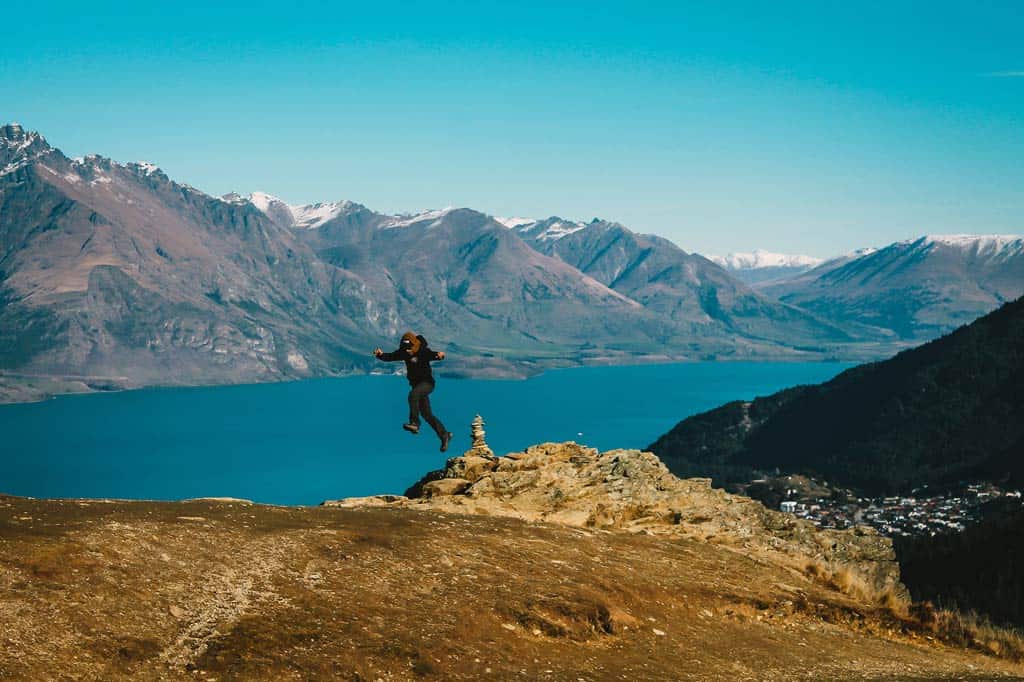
417, 355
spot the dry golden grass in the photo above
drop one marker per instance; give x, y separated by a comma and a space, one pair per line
846, 580
966, 629
970, 629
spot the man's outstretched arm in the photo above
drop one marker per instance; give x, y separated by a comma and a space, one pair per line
389, 357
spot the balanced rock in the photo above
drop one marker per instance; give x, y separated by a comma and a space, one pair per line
479, 446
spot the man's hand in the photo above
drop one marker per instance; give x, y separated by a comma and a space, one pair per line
440, 355
377, 352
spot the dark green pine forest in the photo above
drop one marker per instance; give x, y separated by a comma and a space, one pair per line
980, 569
946, 412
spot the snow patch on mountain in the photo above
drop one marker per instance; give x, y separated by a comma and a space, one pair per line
13, 166
980, 244
857, 253
760, 258
308, 217
313, 216
146, 167
559, 230
431, 216
551, 229
264, 201
513, 223
19, 148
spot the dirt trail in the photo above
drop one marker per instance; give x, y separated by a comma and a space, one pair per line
229, 591
227, 594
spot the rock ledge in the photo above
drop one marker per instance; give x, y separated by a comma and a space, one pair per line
634, 491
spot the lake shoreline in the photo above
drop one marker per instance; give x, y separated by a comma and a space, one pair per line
83, 388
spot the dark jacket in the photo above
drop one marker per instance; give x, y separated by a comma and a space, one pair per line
417, 365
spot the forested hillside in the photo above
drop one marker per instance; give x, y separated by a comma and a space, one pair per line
948, 411
979, 569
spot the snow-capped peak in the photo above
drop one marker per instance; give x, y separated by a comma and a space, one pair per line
551, 229
309, 217
264, 201
560, 229
513, 223
760, 258
313, 216
978, 243
146, 167
13, 133
19, 147
432, 216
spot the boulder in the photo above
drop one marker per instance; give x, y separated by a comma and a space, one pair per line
470, 467
445, 486
369, 501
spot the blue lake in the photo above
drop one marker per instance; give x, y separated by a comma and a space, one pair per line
304, 442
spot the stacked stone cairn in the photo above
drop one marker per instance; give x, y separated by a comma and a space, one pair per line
479, 446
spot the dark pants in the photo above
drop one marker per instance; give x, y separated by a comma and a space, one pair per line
419, 403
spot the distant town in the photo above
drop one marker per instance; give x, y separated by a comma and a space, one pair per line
922, 513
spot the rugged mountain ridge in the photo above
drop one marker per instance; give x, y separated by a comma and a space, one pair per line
686, 305
115, 274
686, 288
456, 273
950, 410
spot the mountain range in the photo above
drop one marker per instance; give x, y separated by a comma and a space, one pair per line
918, 288
113, 275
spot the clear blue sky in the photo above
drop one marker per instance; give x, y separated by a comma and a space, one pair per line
811, 127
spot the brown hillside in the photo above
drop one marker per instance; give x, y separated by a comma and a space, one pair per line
229, 590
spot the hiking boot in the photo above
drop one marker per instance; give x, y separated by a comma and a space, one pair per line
411, 428
445, 439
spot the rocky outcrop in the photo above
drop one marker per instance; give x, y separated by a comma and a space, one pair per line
630, 490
